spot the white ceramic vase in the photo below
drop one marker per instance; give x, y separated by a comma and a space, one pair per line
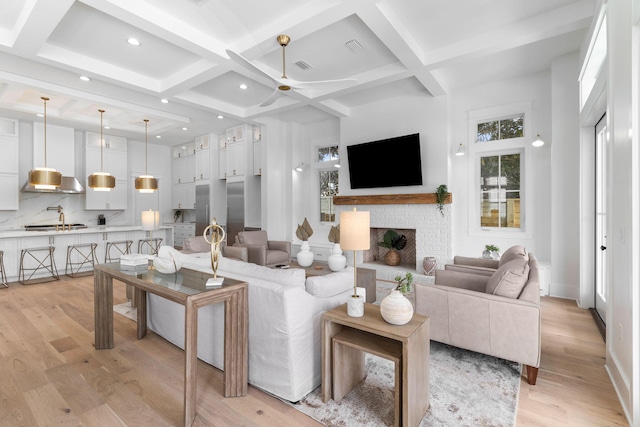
336, 260
396, 309
305, 256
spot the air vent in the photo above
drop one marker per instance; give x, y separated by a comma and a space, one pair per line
354, 46
303, 64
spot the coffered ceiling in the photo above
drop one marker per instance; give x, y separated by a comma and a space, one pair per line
420, 47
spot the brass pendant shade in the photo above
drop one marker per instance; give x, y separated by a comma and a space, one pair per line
101, 181
146, 183
44, 178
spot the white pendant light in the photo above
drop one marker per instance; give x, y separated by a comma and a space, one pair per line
44, 178
101, 181
146, 183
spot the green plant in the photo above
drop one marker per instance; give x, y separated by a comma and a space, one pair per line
492, 248
334, 234
304, 231
176, 215
393, 240
404, 283
441, 196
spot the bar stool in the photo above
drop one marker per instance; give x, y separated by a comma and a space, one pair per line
45, 262
78, 256
149, 246
3, 274
120, 248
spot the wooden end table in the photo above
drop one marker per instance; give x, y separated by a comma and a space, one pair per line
186, 287
345, 340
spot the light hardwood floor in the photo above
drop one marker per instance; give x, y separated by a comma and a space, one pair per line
50, 374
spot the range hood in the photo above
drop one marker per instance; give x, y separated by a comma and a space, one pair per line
69, 185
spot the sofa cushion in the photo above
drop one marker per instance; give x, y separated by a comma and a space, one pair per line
195, 244
258, 238
330, 284
509, 279
514, 252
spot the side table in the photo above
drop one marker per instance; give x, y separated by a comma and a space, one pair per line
345, 340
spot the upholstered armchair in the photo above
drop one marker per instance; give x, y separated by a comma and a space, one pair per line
197, 244
484, 266
263, 251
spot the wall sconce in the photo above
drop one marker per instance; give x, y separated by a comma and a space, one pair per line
460, 150
301, 167
537, 142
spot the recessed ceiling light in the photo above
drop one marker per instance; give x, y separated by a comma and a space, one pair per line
164, 100
85, 79
159, 136
221, 116
39, 114
185, 128
133, 41
243, 86
107, 127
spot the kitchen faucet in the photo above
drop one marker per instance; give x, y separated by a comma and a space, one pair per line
61, 218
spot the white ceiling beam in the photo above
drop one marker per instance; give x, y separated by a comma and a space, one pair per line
35, 24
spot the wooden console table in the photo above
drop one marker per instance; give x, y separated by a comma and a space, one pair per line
186, 287
366, 276
345, 340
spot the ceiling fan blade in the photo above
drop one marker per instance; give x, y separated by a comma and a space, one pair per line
272, 98
240, 60
322, 84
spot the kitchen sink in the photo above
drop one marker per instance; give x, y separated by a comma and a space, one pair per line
50, 227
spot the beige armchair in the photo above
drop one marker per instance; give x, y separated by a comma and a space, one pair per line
197, 244
263, 251
498, 315
485, 266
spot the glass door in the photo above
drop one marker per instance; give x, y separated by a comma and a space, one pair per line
601, 219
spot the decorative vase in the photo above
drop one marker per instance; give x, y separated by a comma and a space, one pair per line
337, 261
305, 256
355, 306
392, 257
396, 309
491, 254
429, 265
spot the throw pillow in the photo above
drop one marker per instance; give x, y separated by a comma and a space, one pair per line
330, 284
509, 279
514, 252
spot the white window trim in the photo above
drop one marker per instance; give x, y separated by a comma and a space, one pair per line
501, 147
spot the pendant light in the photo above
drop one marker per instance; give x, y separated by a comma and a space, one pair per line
101, 181
146, 183
44, 178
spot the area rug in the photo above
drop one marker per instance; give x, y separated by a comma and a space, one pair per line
126, 310
466, 389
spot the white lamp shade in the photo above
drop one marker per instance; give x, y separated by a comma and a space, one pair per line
150, 220
354, 230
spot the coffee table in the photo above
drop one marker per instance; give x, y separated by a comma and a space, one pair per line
366, 276
346, 339
186, 287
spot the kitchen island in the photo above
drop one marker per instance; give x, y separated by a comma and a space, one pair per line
13, 241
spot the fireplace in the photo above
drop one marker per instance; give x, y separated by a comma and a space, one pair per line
377, 252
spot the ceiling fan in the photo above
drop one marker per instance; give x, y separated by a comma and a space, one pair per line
283, 83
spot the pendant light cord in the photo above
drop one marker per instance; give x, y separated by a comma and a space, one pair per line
146, 145
45, 130
101, 141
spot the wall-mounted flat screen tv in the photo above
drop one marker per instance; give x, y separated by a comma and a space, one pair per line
393, 162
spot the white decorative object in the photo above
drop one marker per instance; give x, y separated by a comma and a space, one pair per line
305, 256
396, 309
355, 306
167, 265
337, 261
134, 260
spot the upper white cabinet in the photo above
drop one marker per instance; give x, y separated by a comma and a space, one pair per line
203, 156
236, 134
114, 161
235, 152
9, 184
60, 148
184, 150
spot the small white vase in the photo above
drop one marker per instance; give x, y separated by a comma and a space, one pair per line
305, 256
336, 260
355, 306
396, 309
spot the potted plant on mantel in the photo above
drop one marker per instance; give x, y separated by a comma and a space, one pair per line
441, 196
395, 242
395, 308
304, 256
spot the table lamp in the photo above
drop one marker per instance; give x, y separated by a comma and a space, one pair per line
354, 236
150, 221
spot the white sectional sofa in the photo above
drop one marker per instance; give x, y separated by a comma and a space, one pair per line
284, 321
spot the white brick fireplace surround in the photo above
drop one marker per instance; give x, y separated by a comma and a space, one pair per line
433, 230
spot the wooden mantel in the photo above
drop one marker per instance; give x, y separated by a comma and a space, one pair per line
391, 199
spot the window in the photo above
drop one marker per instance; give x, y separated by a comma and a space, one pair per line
505, 128
500, 191
328, 189
328, 154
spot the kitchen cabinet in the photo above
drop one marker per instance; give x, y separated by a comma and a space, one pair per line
184, 170
9, 180
183, 196
236, 134
203, 157
222, 156
235, 161
114, 161
181, 232
257, 158
60, 148
183, 150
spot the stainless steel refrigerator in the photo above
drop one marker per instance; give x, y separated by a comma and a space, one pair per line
203, 211
235, 210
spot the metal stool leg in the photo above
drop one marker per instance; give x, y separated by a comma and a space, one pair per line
84, 259
122, 247
3, 274
47, 263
